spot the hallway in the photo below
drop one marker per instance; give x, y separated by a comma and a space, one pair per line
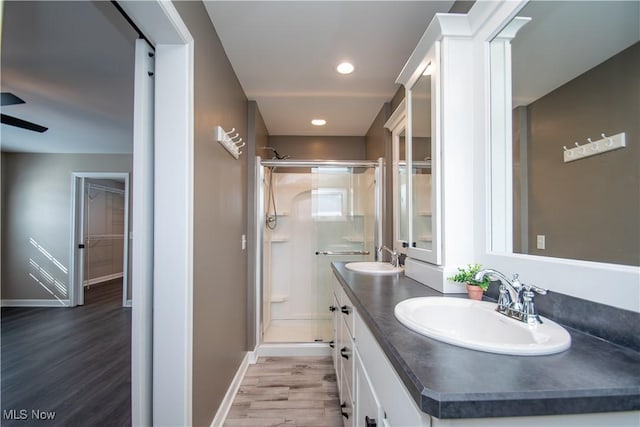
75, 362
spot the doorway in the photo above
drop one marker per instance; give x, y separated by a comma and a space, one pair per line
100, 239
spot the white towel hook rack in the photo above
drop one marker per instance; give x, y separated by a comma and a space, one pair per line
607, 143
232, 143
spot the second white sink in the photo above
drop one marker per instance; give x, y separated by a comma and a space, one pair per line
372, 267
476, 325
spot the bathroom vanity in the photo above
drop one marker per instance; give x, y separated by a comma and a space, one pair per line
389, 375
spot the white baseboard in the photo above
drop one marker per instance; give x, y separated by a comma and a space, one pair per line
35, 303
101, 279
225, 406
282, 350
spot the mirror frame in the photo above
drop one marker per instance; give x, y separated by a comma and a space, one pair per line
396, 124
582, 279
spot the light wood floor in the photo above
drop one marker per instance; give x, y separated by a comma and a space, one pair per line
287, 391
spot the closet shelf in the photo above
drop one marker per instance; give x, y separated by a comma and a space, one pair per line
105, 237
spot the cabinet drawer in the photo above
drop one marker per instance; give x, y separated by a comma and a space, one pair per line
347, 311
346, 354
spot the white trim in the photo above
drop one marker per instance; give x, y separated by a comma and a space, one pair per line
290, 350
101, 279
173, 218
142, 239
399, 115
227, 401
35, 303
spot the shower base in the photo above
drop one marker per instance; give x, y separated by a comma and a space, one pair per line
298, 331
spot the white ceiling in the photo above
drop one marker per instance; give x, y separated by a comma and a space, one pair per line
72, 62
285, 53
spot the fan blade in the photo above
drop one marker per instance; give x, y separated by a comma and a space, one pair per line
14, 121
10, 99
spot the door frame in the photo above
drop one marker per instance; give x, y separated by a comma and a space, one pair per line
76, 279
162, 329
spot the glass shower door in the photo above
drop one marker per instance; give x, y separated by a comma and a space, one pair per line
344, 223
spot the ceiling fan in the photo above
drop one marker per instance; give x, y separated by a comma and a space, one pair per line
10, 99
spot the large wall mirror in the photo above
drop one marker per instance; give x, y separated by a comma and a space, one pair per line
565, 129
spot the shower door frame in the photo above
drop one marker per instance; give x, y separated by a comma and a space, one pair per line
378, 167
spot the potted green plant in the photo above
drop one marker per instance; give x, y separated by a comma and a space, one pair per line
475, 288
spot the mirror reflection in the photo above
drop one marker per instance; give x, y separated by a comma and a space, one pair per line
402, 207
421, 220
575, 129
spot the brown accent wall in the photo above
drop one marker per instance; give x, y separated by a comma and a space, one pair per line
397, 98
220, 219
318, 147
589, 209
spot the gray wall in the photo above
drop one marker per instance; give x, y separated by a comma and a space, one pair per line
566, 200
36, 209
318, 147
220, 218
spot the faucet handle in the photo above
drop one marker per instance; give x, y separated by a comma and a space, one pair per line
535, 288
515, 282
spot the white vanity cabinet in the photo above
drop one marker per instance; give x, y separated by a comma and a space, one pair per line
371, 393
343, 352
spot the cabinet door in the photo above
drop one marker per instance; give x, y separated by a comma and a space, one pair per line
346, 401
368, 410
334, 345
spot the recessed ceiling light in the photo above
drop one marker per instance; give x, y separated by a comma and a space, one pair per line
318, 122
345, 68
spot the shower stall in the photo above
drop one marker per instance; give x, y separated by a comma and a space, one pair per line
310, 213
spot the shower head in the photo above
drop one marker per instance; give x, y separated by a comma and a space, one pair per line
275, 154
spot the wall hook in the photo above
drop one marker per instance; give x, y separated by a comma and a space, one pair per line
231, 143
607, 143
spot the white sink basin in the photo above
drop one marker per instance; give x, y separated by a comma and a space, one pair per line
372, 267
476, 325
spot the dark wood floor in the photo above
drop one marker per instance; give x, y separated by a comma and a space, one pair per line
75, 362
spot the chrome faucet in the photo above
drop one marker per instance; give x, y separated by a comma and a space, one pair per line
394, 255
516, 299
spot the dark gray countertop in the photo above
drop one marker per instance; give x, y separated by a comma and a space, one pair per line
447, 381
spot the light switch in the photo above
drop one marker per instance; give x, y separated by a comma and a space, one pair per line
244, 242
540, 243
